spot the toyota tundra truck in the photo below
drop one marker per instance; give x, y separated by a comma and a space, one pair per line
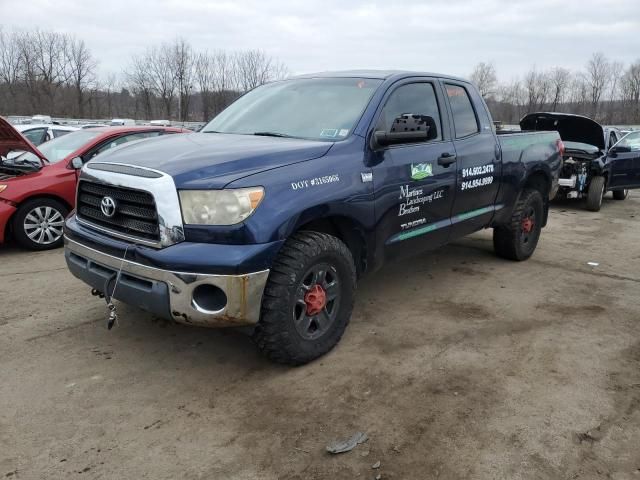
268, 216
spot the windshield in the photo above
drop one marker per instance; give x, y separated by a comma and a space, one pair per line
315, 108
59, 148
630, 141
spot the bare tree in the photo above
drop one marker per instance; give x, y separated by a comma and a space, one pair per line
597, 77
182, 63
484, 77
537, 86
81, 70
559, 78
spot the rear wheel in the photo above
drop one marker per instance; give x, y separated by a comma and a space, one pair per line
308, 299
518, 239
620, 194
595, 193
37, 225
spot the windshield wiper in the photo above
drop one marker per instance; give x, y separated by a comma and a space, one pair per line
272, 134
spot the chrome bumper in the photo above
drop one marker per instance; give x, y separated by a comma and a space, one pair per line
243, 292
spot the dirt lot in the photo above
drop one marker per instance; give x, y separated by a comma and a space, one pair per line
456, 364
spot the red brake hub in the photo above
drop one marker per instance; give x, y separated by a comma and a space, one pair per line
527, 225
316, 299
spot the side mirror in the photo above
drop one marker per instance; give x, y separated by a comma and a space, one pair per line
77, 163
408, 128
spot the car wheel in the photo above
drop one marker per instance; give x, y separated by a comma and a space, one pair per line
38, 223
620, 194
308, 299
595, 193
518, 239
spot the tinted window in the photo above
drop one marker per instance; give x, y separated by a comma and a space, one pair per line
125, 139
464, 117
416, 98
631, 141
60, 133
35, 135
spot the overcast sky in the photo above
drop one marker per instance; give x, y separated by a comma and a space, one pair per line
309, 35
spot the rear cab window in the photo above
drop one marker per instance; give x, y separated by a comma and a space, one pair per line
465, 120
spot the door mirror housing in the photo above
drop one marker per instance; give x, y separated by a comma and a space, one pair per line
77, 163
613, 151
408, 128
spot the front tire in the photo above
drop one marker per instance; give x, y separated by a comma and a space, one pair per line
308, 299
595, 193
620, 194
37, 225
518, 240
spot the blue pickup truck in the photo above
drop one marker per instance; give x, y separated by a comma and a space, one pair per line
269, 215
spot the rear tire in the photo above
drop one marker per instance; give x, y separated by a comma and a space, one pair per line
37, 224
295, 327
595, 193
518, 240
620, 194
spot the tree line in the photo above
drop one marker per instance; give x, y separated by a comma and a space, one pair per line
603, 89
56, 74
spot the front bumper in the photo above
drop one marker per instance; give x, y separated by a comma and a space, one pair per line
170, 294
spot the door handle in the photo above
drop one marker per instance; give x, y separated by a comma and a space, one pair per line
446, 159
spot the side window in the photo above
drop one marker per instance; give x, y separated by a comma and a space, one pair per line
35, 135
416, 98
60, 133
464, 117
612, 139
124, 139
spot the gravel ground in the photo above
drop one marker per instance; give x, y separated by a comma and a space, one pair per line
456, 364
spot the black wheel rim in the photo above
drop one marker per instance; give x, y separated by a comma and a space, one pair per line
317, 301
528, 225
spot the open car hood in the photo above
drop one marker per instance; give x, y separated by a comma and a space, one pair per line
572, 128
12, 140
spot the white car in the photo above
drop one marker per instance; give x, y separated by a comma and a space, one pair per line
40, 133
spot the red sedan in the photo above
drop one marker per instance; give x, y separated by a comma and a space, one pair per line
38, 187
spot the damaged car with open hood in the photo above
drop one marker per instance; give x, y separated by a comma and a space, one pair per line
595, 161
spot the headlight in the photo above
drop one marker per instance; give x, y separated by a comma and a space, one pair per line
3, 188
219, 207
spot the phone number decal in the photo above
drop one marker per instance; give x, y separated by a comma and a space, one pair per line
475, 171
476, 182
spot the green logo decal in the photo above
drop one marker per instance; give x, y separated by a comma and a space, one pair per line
421, 170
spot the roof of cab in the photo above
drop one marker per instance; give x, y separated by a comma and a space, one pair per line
378, 74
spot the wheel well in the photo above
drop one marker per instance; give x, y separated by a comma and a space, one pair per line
9, 228
541, 182
348, 231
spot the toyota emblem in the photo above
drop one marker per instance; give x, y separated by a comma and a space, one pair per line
108, 206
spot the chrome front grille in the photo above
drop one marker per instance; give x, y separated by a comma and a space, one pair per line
147, 208
135, 213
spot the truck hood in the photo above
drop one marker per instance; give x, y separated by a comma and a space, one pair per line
572, 128
212, 160
12, 140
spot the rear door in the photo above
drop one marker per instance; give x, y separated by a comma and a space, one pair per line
478, 156
413, 187
624, 163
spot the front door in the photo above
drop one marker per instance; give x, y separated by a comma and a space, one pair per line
624, 163
413, 183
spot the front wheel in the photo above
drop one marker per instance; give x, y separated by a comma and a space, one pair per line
308, 299
595, 193
620, 194
37, 225
518, 239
